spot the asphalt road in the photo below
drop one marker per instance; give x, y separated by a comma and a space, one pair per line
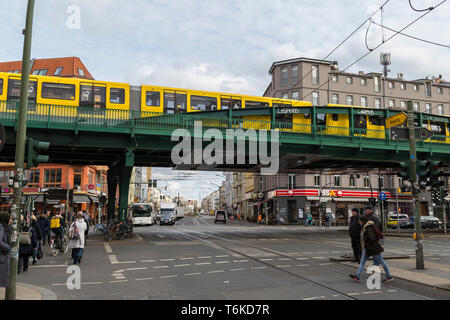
198, 259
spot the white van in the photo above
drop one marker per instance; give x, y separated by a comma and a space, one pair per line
142, 214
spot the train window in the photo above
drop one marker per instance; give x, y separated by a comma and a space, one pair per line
376, 120
256, 104
152, 98
307, 116
360, 121
14, 90
117, 95
283, 121
438, 127
227, 103
203, 103
321, 119
174, 102
59, 91
282, 104
335, 117
96, 99
1, 86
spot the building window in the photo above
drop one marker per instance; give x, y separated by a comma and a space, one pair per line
284, 76
403, 104
77, 178
427, 108
315, 98
337, 181
335, 78
58, 71
391, 85
335, 98
352, 181
416, 106
440, 90
349, 100
377, 103
416, 88
291, 181
33, 180
440, 109
381, 181
52, 178
427, 89
363, 81
377, 84
294, 74
391, 103
349, 80
403, 86
363, 101
295, 95
81, 72
366, 182
285, 96
317, 181
315, 74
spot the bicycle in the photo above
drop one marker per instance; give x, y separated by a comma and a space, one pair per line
56, 246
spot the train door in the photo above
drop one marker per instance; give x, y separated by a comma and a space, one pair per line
13, 95
360, 124
302, 122
93, 95
175, 101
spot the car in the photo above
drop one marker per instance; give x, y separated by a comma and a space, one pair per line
403, 220
220, 216
430, 222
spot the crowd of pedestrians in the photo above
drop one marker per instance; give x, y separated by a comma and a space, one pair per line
36, 233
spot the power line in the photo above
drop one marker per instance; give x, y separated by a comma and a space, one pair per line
366, 54
337, 47
420, 10
413, 37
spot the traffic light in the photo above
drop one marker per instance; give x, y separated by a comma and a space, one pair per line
405, 172
34, 147
436, 196
423, 171
436, 173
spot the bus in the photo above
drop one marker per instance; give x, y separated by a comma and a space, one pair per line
142, 214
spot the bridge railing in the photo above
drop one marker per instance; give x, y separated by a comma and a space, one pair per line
70, 117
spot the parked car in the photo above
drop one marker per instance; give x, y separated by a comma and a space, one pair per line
430, 222
220, 216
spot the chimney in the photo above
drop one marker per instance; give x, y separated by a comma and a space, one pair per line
361, 73
400, 76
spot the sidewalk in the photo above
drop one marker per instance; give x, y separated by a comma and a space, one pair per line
435, 275
30, 292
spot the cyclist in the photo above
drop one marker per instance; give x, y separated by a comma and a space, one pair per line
57, 225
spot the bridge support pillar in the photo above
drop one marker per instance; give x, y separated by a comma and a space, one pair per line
113, 179
126, 169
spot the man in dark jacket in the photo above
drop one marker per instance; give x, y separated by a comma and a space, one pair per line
372, 217
44, 223
355, 233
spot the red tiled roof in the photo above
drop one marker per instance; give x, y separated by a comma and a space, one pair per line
70, 67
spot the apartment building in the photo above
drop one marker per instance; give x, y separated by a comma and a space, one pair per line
292, 196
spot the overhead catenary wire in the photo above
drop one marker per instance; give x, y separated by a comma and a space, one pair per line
420, 10
366, 54
337, 47
412, 37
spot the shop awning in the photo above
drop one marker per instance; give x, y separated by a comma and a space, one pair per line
81, 198
322, 199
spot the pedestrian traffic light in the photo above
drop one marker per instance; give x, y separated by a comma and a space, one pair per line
405, 171
34, 147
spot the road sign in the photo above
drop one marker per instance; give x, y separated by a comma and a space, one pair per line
400, 133
397, 120
382, 196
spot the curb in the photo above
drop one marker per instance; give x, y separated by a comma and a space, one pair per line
333, 259
46, 294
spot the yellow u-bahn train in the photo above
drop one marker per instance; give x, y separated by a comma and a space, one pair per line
68, 94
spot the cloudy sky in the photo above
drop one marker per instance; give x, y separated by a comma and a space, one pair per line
222, 45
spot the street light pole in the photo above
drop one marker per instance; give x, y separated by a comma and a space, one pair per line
415, 188
20, 152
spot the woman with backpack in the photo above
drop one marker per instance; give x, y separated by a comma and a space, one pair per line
77, 238
28, 244
370, 244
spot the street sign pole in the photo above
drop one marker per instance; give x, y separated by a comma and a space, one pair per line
20, 153
415, 188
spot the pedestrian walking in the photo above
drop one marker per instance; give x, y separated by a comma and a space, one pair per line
44, 223
370, 248
36, 226
354, 229
327, 220
368, 211
309, 219
77, 239
28, 244
5, 248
